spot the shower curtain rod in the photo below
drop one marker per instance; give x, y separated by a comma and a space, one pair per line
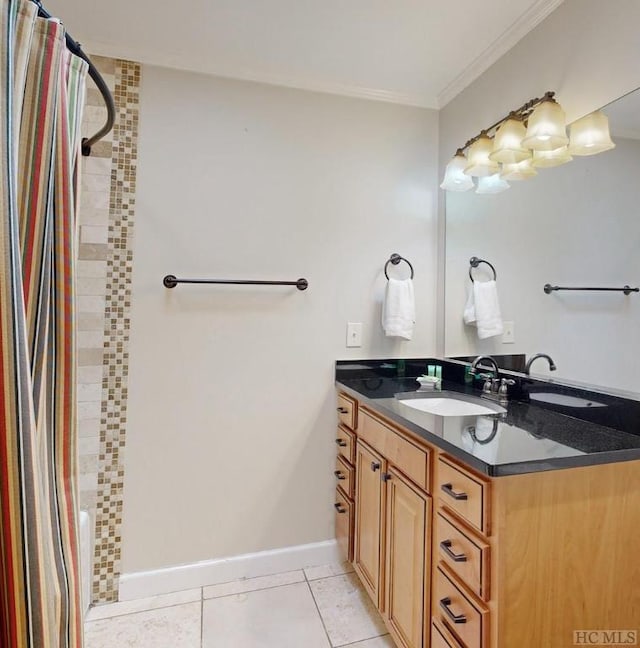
75, 48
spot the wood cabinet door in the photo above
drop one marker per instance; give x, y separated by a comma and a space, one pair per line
369, 520
408, 512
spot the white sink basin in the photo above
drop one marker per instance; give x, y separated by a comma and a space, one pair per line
564, 400
443, 404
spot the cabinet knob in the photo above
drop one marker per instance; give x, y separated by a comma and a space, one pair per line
375, 466
341, 442
456, 618
448, 489
343, 410
445, 545
338, 507
385, 477
338, 474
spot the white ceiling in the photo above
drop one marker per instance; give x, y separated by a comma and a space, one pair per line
419, 52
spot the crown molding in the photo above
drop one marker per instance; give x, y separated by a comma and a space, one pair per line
288, 81
520, 28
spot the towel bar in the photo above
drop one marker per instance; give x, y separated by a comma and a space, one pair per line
171, 281
627, 290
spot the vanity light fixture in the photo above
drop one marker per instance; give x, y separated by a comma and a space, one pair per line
590, 135
546, 127
492, 184
480, 164
518, 171
533, 136
546, 159
454, 176
507, 144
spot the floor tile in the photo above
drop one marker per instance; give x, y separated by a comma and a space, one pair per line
346, 609
285, 617
171, 627
142, 605
326, 571
253, 584
378, 642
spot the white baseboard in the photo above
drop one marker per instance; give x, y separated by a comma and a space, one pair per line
211, 572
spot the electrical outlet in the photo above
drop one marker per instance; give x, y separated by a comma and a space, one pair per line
354, 334
509, 333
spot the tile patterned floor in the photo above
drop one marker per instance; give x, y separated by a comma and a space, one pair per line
319, 607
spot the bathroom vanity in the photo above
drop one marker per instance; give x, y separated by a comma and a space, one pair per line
516, 528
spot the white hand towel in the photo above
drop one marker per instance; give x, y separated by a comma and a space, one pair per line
469, 315
483, 309
399, 309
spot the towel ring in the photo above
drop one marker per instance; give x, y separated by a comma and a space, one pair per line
475, 262
395, 259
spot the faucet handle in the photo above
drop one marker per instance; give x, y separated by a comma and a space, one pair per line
505, 383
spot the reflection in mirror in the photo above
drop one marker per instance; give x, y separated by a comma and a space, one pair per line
577, 225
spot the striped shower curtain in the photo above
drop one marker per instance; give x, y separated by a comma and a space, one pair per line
41, 99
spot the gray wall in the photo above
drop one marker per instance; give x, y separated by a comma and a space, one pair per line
586, 50
231, 398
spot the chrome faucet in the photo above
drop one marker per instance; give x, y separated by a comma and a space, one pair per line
479, 359
548, 358
494, 387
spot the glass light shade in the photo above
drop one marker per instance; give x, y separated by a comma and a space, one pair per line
480, 164
492, 184
590, 135
545, 159
518, 171
546, 128
454, 176
507, 143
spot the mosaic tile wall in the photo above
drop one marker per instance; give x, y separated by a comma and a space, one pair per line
104, 286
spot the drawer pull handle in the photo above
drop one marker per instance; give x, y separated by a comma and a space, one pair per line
339, 508
385, 477
341, 442
343, 410
339, 475
448, 489
375, 466
445, 545
456, 618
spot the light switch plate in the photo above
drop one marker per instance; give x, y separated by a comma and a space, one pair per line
509, 333
354, 334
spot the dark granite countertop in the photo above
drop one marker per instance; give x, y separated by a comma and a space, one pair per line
531, 436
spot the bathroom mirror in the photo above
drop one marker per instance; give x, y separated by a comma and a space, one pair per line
576, 225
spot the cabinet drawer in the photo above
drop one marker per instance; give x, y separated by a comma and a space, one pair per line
464, 493
346, 442
441, 637
347, 411
467, 557
404, 455
464, 618
344, 474
344, 525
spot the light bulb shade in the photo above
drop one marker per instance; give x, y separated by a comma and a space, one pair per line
590, 135
546, 128
454, 176
507, 143
545, 159
480, 164
518, 171
492, 184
